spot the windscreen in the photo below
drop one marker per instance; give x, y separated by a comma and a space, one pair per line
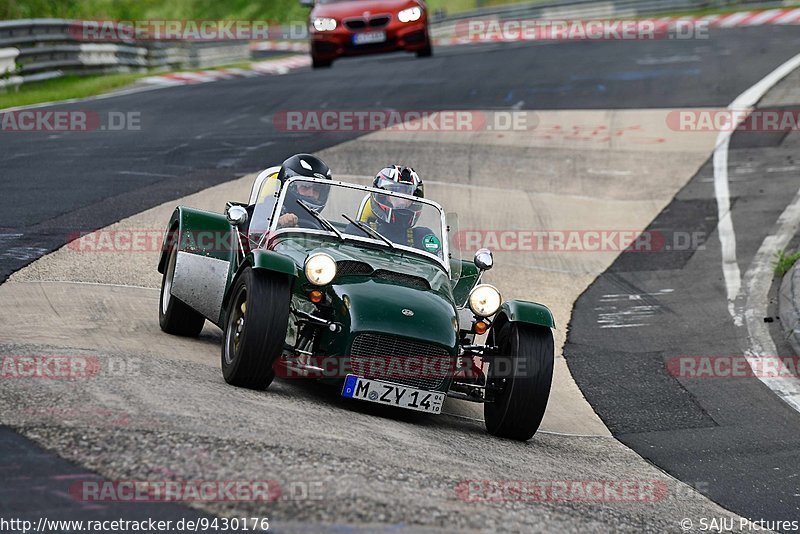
265, 200
376, 215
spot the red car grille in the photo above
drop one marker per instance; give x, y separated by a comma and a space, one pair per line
378, 21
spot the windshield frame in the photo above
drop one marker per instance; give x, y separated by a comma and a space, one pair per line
274, 231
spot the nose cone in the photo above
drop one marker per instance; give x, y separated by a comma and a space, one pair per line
377, 306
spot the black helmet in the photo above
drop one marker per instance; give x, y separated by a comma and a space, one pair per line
304, 165
308, 166
399, 180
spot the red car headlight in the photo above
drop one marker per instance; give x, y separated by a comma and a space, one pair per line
410, 15
324, 24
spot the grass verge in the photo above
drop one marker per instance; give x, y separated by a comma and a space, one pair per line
66, 88
70, 87
784, 261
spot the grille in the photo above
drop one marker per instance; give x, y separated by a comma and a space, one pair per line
355, 24
371, 354
379, 22
404, 279
350, 268
374, 22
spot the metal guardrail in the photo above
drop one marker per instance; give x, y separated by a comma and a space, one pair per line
49, 48
210, 54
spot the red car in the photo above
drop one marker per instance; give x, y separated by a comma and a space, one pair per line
355, 27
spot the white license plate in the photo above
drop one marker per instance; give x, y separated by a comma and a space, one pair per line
369, 38
356, 387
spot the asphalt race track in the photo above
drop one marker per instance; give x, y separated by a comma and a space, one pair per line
687, 425
166, 413
194, 137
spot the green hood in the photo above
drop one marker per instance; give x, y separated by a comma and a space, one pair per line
377, 257
371, 305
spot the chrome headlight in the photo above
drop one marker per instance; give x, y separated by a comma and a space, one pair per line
324, 24
484, 300
410, 15
320, 269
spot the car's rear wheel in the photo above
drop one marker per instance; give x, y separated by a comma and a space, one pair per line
176, 317
522, 374
256, 320
425, 52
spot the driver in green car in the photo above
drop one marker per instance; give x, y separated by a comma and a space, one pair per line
313, 195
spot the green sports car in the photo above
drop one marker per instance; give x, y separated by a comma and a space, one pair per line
390, 315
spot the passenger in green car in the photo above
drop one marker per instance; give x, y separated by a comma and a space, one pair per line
394, 217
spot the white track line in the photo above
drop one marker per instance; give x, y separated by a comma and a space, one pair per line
749, 308
757, 281
727, 236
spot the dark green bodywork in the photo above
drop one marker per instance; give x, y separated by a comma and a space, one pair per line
360, 303
520, 311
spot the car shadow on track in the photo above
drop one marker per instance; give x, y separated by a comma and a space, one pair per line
331, 395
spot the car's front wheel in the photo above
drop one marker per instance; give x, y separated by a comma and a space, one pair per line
317, 63
256, 320
425, 52
521, 375
176, 317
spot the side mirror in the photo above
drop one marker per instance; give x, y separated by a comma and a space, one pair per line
484, 259
307, 3
236, 215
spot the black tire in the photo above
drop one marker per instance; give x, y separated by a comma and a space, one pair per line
425, 52
247, 356
319, 64
517, 410
174, 316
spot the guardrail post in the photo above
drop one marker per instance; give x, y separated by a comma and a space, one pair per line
8, 57
8, 68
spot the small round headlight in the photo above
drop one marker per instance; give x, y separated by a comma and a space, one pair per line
320, 269
324, 24
484, 300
